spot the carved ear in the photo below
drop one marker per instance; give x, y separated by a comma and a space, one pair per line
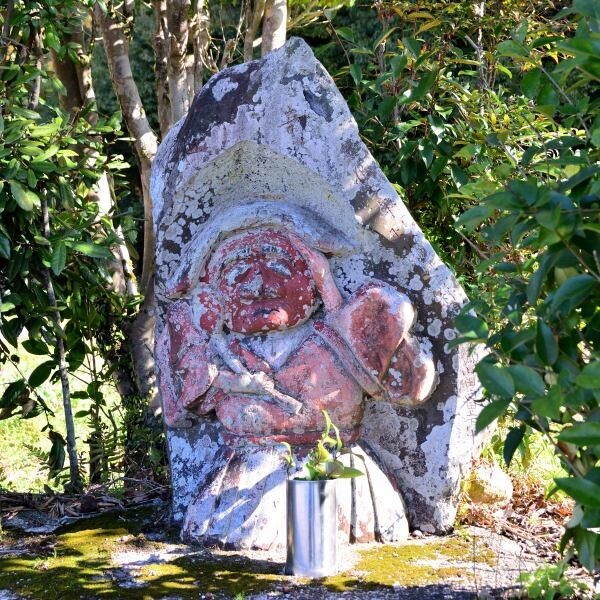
374, 321
321, 271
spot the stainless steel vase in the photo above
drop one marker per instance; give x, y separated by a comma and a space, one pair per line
312, 528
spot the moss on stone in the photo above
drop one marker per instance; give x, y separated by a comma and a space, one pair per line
411, 564
81, 566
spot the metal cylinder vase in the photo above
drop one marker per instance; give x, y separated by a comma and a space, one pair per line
312, 528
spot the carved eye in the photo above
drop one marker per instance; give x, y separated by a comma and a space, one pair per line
279, 268
236, 273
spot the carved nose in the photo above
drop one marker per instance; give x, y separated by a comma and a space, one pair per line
255, 287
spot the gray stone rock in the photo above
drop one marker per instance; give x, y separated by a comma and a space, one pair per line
278, 130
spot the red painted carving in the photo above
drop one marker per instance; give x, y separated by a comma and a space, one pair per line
243, 344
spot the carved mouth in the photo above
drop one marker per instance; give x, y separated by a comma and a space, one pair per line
269, 312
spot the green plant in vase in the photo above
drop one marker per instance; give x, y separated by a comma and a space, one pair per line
323, 460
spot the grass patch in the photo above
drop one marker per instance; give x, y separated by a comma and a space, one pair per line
23, 444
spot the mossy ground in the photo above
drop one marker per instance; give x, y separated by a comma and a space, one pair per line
412, 564
79, 564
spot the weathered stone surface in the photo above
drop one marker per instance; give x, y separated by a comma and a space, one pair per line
270, 153
489, 484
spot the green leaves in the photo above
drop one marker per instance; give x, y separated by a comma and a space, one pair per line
57, 455
471, 327
41, 373
527, 380
323, 462
583, 434
59, 258
496, 380
589, 378
572, 293
92, 250
27, 199
546, 344
530, 84
491, 412
512, 49
581, 490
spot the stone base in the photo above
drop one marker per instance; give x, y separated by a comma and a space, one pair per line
242, 504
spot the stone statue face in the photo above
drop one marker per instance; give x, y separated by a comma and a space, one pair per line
264, 281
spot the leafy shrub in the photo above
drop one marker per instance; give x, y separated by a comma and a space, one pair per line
541, 234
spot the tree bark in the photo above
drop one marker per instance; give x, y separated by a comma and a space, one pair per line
161, 66
274, 26
141, 342
200, 25
116, 45
178, 30
253, 19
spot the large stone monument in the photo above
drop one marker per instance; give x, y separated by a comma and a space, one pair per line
290, 279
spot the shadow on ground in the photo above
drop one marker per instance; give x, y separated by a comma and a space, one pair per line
128, 556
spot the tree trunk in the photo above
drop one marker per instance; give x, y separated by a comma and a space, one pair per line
274, 26
253, 19
141, 341
178, 30
199, 25
116, 46
162, 66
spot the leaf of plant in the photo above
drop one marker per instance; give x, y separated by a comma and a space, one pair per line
26, 199
581, 490
549, 405
589, 378
530, 84
585, 542
491, 412
512, 442
496, 380
346, 33
471, 326
356, 73
425, 84
474, 217
429, 25
59, 258
36, 347
41, 373
546, 344
527, 380
573, 292
4, 247
349, 473
12, 393
539, 277
582, 434
92, 250
56, 457
512, 49
333, 469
